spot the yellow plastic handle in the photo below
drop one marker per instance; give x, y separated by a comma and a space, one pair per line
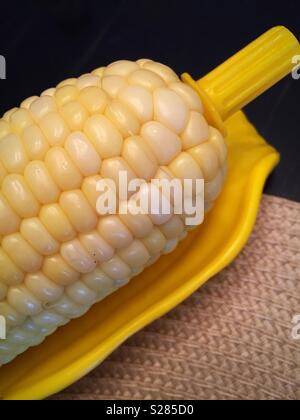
247, 74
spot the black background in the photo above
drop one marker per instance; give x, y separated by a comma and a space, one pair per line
46, 41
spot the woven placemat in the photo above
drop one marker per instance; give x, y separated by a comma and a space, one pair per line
232, 339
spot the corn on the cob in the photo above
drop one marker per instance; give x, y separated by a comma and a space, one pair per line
57, 255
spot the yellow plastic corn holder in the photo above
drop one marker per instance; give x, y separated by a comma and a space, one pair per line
78, 347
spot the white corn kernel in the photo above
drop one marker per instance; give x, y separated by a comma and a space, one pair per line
19, 196
42, 288
21, 253
121, 68
62, 169
114, 232
104, 136
163, 142
139, 100
77, 257
146, 79
196, 131
83, 154
40, 182
123, 118
57, 223
57, 270
138, 155
23, 301
113, 84
170, 109
78, 211
38, 236
12, 154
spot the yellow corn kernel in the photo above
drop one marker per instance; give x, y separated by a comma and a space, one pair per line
140, 225
23, 301
10, 274
214, 187
173, 228
19, 196
42, 288
121, 68
116, 269
77, 257
114, 232
35, 143
93, 99
113, 84
135, 255
146, 79
49, 92
89, 189
21, 253
68, 82
170, 110
11, 315
207, 158
122, 118
155, 134
87, 80
38, 236
78, 211
139, 156
68, 308
167, 74
96, 246
40, 182
49, 319
8, 114
57, 270
66, 94
111, 169
27, 102
42, 106
139, 100
100, 282
83, 154
57, 223
215, 138
12, 154
196, 131
155, 242
3, 291
62, 169
104, 136
9, 220
3, 173
74, 115
189, 96
81, 294
20, 120
5, 128
54, 128
98, 72
185, 167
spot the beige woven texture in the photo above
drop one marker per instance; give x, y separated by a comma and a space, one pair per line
231, 340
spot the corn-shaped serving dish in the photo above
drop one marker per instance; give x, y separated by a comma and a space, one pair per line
58, 256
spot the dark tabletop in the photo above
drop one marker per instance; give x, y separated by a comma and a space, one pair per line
46, 41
